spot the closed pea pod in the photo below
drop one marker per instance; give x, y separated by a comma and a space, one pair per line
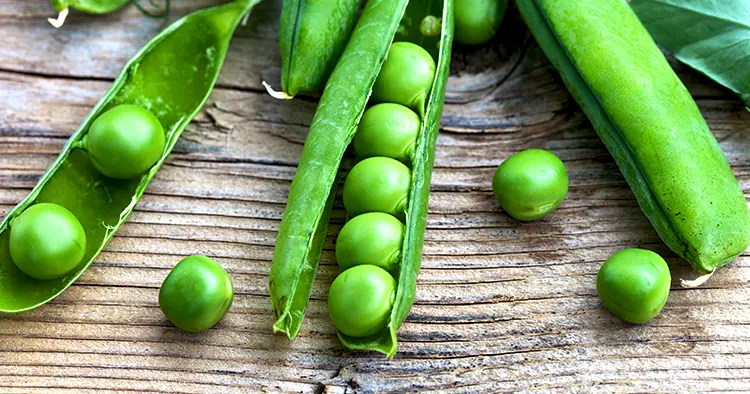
649, 123
353, 80
312, 36
171, 77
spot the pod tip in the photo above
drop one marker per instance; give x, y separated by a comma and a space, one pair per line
60, 20
275, 94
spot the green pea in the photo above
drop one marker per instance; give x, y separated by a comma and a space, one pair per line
377, 184
476, 21
430, 26
389, 130
125, 142
371, 238
47, 241
360, 300
530, 184
634, 284
196, 294
406, 76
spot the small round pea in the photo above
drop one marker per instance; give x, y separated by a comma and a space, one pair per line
530, 184
360, 300
371, 238
476, 21
125, 142
47, 241
389, 130
634, 284
196, 294
377, 184
406, 76
430, 26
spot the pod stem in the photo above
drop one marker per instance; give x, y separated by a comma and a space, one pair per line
60, 20
691, 284
279, 95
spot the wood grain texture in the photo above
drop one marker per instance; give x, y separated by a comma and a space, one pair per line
501, 305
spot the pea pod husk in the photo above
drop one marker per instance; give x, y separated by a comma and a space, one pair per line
312, 37
172, 76
649, 123
305, 220
419, 193
333, 127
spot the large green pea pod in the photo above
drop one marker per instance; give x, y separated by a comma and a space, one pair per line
650, 124
312, 36
172, 76
303, 226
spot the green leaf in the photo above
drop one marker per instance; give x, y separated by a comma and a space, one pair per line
712, 36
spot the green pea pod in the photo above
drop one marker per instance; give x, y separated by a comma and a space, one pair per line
97, 7
333, 127
312, 36
650, 124
172, 76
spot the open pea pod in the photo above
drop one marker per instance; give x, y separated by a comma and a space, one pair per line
649, 123
172, 76
312, 36
341, 107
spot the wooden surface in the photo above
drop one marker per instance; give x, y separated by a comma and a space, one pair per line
501, 306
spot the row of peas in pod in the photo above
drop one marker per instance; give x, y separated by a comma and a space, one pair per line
47, 241
376, 193
54, 234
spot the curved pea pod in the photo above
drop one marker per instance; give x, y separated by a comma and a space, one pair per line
312, 37
172, 76
650, 124
305, 219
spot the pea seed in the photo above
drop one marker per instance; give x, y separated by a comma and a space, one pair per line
406, 76
360, 300
530, 184
371, 238
388, 130
125, 142
196, 294
634, 284
47, 241
377, 184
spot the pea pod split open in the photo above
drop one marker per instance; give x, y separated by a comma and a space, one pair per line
650, 124
342, 105
172, 76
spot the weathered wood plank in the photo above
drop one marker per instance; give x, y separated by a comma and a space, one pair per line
501, 305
